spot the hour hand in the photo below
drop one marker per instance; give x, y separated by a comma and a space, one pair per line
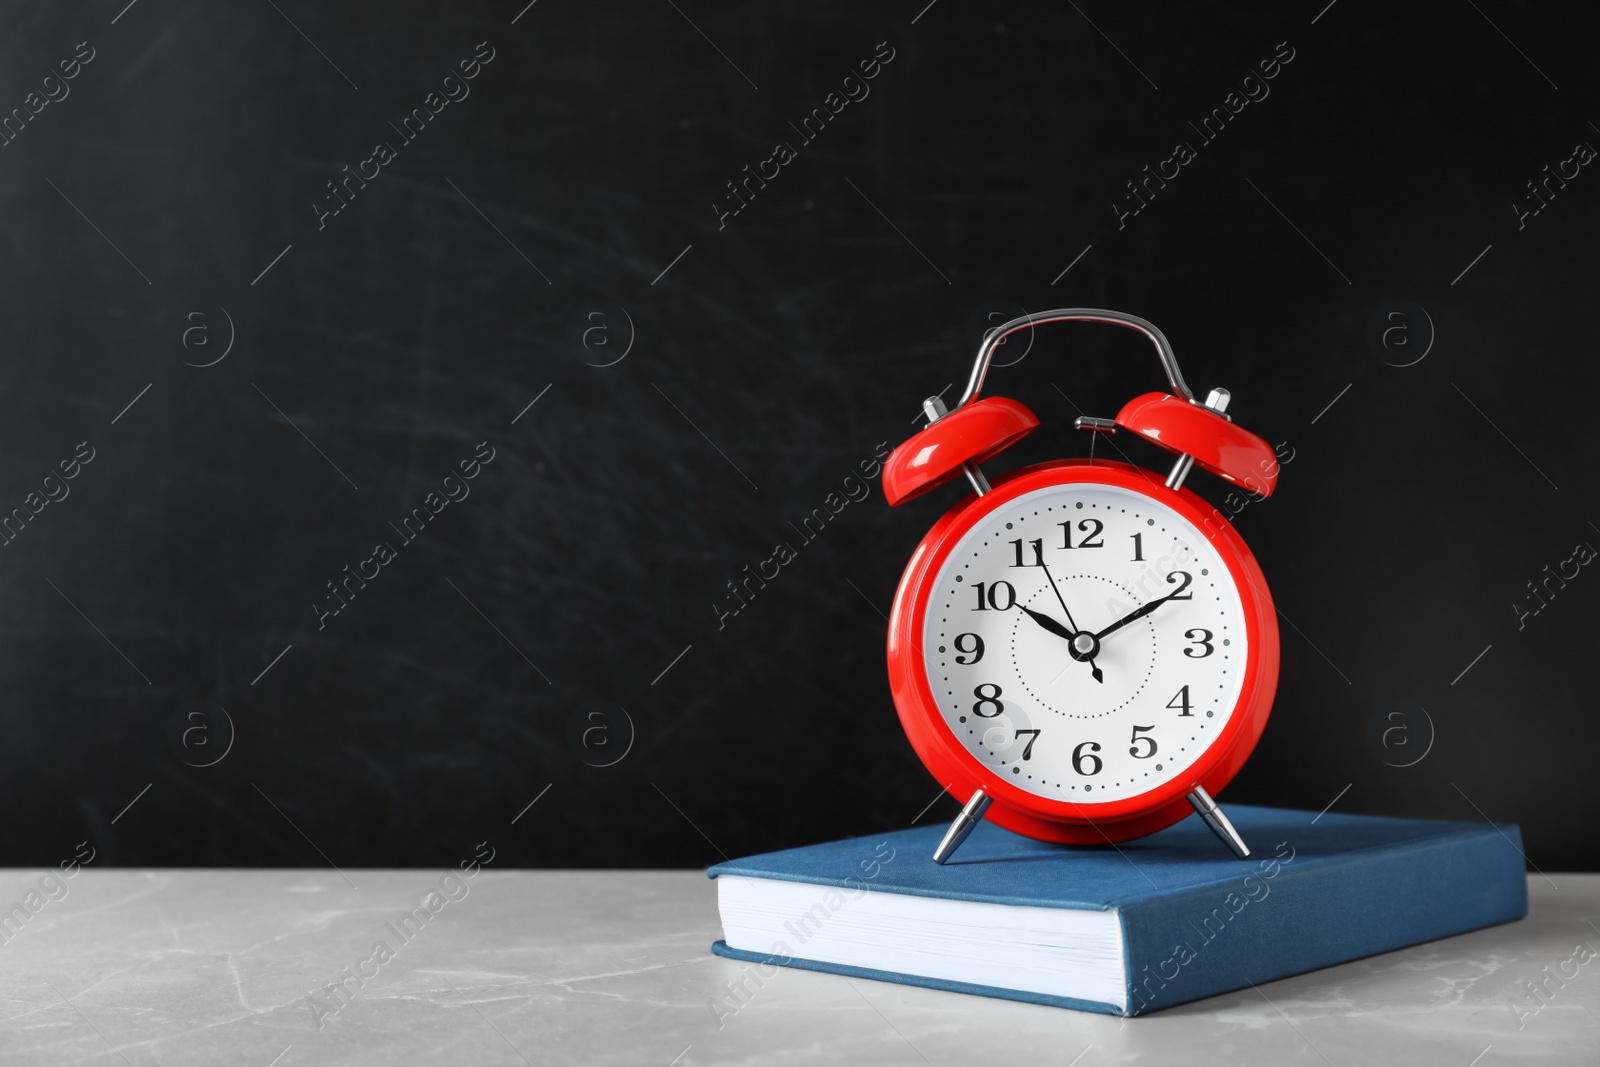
1048, 623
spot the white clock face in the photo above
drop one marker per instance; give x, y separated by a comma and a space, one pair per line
1086, 642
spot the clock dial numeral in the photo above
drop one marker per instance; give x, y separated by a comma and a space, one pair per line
1181, 701
1027, 751
1203, 641
1187, 580
989, 596
1138, 547
1090, 527
987, 698
1133, 749
1080, 759
1039, 552
975, 652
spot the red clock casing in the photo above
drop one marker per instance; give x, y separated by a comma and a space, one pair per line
1069, 822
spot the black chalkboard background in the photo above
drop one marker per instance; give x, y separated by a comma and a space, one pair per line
172, 200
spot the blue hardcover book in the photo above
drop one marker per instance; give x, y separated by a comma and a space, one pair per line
1151, 923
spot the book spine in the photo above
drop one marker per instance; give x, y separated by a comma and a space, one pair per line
1292, 912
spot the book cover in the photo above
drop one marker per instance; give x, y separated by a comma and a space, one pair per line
1194, 921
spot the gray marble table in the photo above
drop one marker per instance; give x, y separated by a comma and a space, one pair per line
231, 967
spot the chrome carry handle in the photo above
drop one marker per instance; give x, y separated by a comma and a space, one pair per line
991, 341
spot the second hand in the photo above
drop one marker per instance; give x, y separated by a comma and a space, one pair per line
1094, 668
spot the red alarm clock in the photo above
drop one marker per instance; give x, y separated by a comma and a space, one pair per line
1085, 649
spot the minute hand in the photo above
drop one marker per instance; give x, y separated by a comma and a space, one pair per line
1140, 612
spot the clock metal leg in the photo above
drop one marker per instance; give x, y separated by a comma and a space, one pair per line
969, 818
1214, 818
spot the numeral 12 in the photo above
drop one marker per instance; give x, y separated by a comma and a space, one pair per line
1089, 527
